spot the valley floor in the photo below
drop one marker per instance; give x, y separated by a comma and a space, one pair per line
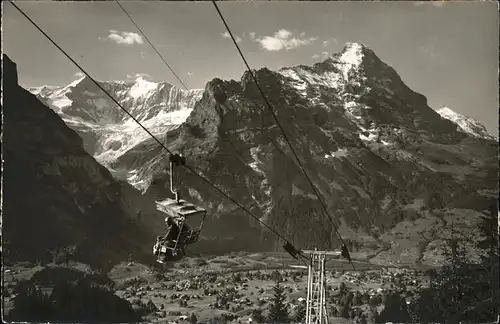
229, 287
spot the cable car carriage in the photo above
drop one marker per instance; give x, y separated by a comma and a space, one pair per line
178, 211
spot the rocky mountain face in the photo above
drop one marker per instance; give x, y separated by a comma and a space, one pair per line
390, 168
465, 124
108, 132
394, 173
56, 196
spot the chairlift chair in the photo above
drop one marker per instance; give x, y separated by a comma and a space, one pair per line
179, 210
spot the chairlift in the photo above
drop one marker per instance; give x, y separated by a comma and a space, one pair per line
179, 210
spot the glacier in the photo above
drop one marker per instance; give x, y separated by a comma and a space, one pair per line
159, 106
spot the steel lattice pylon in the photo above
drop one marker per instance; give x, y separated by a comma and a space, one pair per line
316, 287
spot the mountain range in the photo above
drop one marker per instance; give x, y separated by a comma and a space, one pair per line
394, 172
108, 131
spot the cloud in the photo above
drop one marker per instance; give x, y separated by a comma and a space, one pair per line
190, 73
329, 41
79, 74
143, 55
143, 75
139, 75
283, 40
285, 34
323, 55
226, 35
124, 38
251, 35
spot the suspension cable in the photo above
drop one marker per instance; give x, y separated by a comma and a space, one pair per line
151, 44
149, 133
280, 126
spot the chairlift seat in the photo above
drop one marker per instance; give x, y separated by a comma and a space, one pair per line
177, 209
180, 211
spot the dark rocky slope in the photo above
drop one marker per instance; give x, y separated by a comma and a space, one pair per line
56, 196
380, 156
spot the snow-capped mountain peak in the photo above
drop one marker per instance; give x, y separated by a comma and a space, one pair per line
142, 87
336, 71
352, 54
465, 124
374, 147
76, 82
109, 132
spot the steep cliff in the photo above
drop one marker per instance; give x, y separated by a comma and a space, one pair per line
381, 157
56, 196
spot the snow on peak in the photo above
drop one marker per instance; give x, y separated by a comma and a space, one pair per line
76, 82
351, 59
300, 79
41, 90
445, 111
464, 124
352, 54
142, 87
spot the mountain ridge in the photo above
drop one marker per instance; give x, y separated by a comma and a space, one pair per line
108, 131
372, 145
379, 155
465, 124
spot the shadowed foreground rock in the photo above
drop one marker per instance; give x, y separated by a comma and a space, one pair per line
56, 196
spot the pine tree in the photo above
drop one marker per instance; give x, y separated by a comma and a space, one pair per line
487, 287
193, 319
257, 316
460, 290
451, 286
394, 310
278, 312
300, 313
344, 310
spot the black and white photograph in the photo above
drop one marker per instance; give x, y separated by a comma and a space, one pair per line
314, 162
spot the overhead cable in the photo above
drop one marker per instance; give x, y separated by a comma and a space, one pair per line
151, 44
325, 209
288, 244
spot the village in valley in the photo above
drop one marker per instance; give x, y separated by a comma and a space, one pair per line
239, 289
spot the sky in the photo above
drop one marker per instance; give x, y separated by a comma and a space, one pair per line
447, 52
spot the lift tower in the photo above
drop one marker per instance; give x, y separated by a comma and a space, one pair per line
316, 286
